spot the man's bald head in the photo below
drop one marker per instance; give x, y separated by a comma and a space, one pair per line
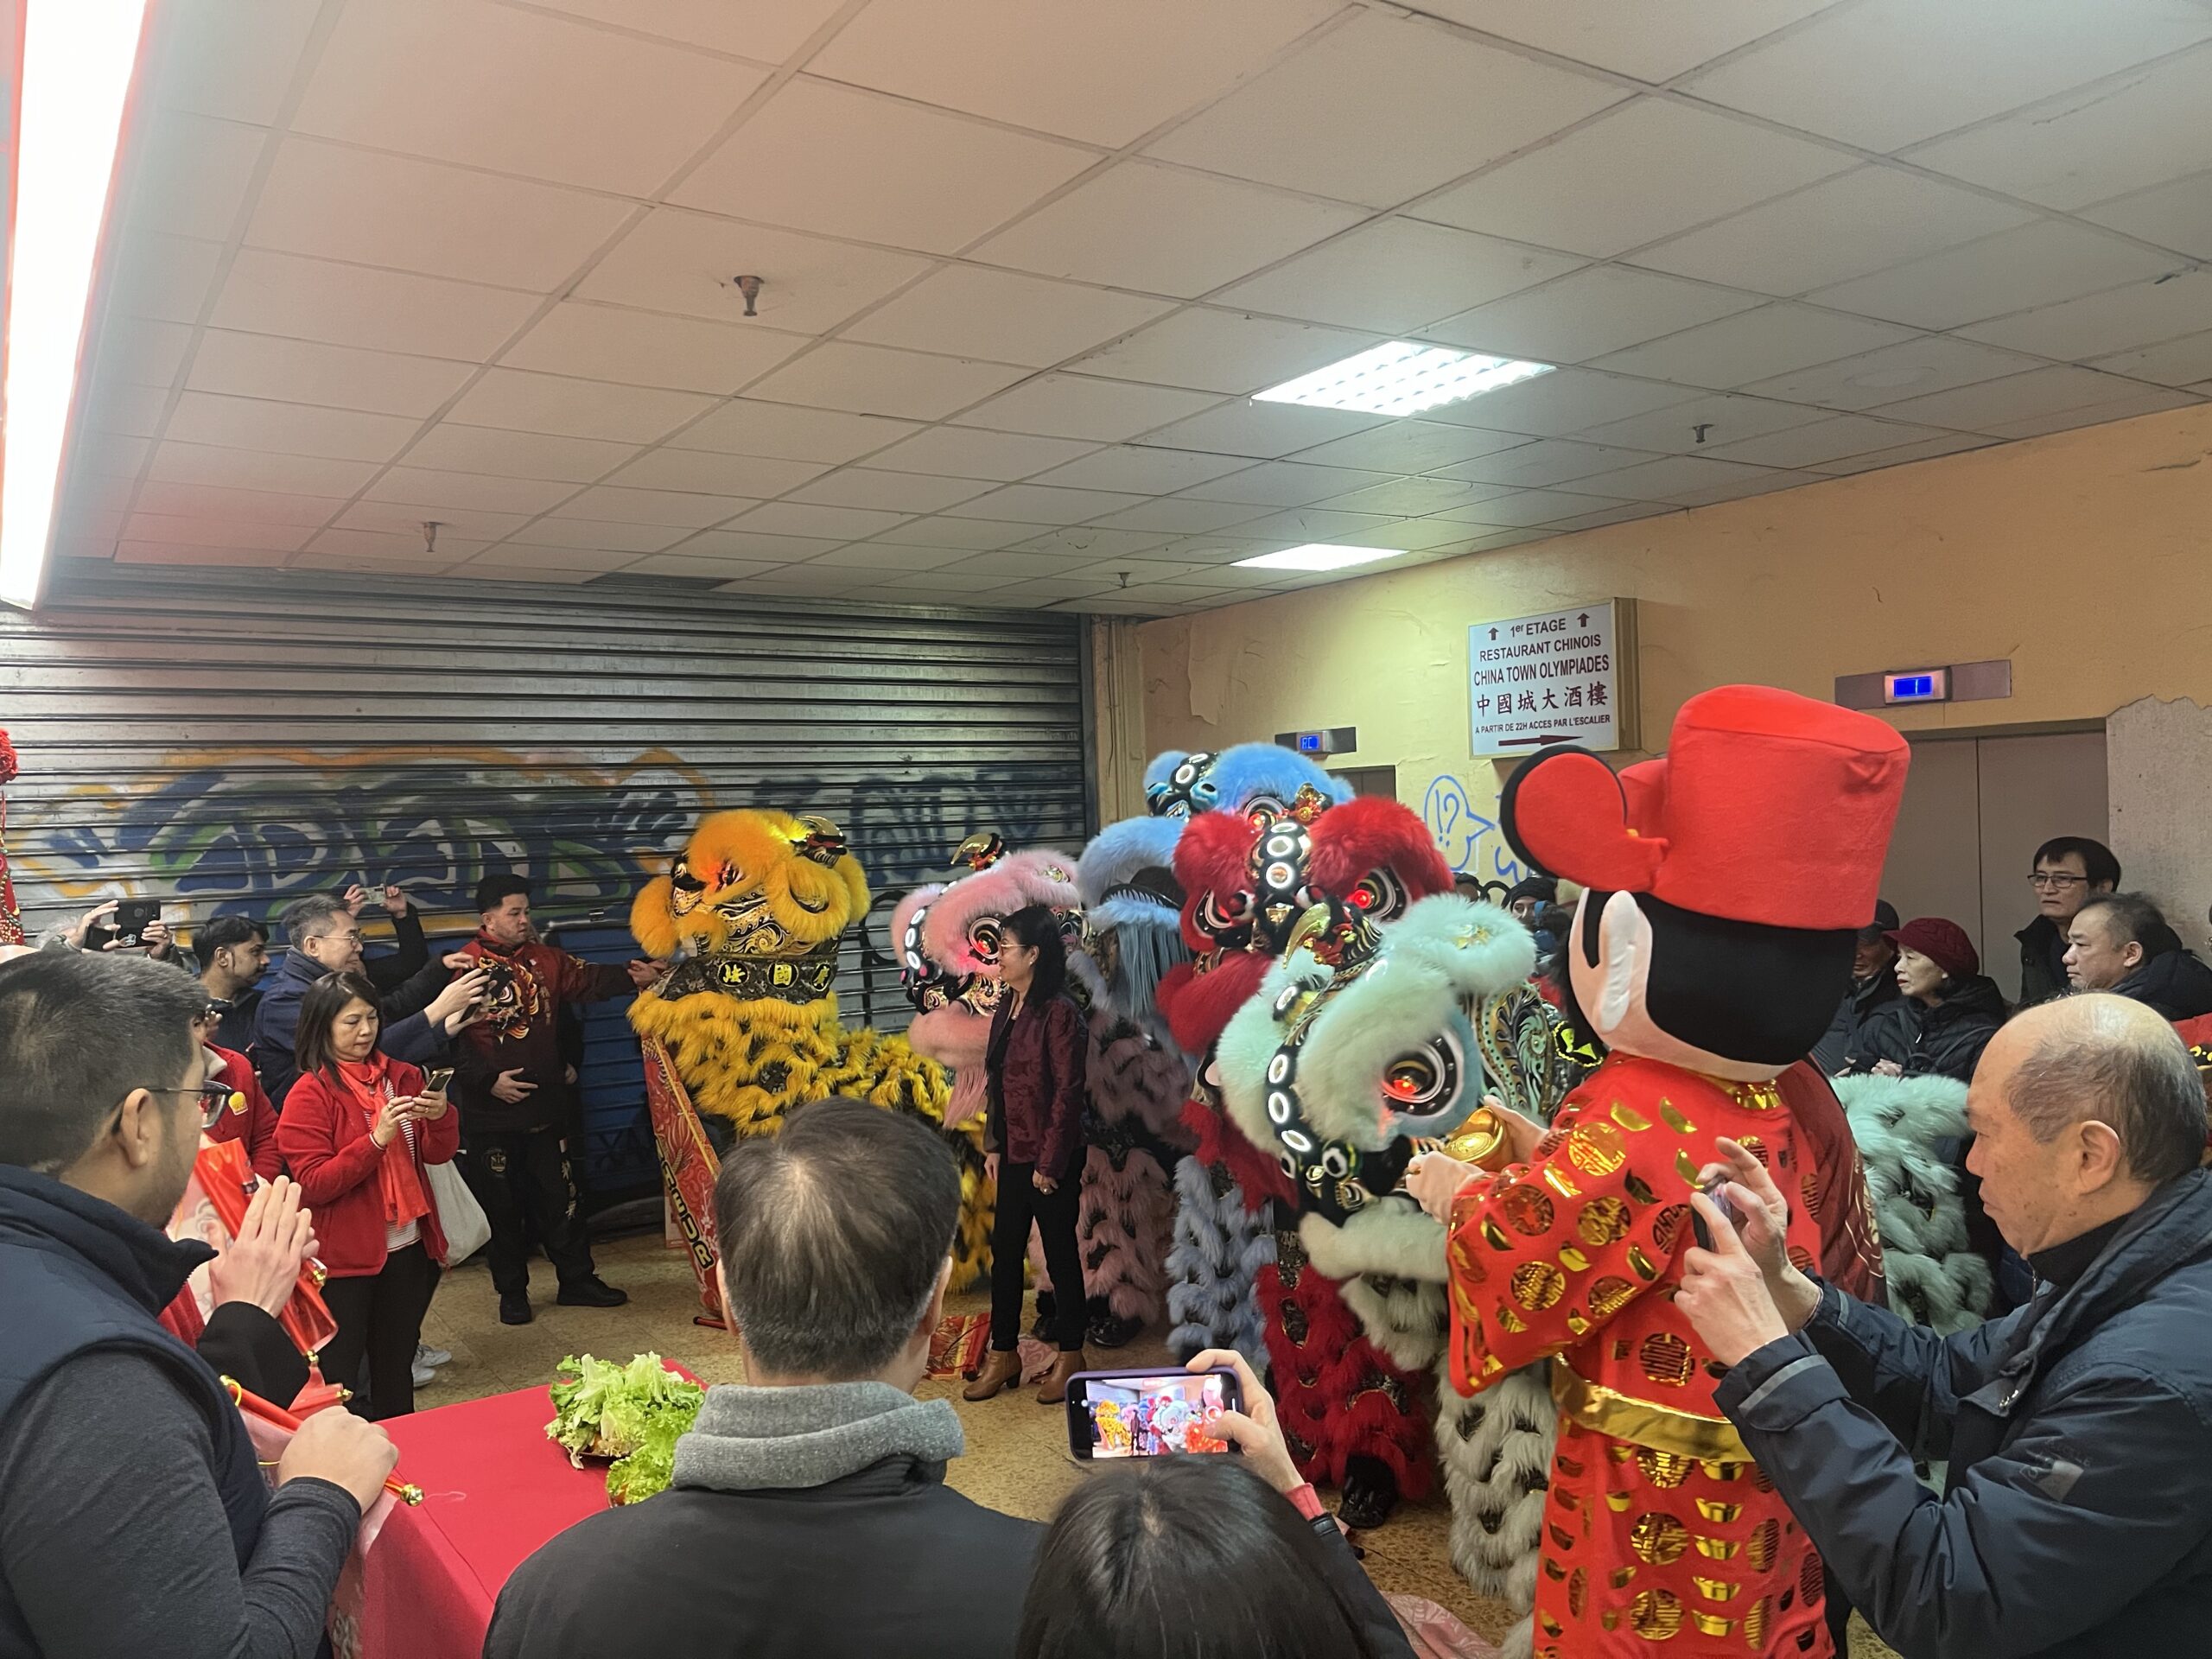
2112, 1059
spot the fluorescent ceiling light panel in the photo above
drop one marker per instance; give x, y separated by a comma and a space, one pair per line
1403, 378
78, 60
1318, 556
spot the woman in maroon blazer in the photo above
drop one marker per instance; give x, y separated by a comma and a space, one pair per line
360, 1132
1034, 1072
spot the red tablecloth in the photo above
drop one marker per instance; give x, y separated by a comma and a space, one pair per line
493, 1490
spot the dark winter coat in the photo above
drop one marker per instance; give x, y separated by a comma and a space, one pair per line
1035, 1067
1944, 1041
2173, 984
2043, 962
2077, 1521
407, 1035
521, 1031
1865, 997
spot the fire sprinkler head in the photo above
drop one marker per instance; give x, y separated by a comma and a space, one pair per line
750, 287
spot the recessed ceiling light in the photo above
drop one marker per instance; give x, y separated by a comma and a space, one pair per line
1403, 378
1318, 556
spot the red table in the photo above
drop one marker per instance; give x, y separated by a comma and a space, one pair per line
493, 1490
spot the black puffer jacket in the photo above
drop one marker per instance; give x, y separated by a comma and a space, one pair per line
2043, 961
2173, 984
1867, 997
1944, 1041
2076, 1523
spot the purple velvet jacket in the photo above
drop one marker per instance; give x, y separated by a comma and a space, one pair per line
1035, 1067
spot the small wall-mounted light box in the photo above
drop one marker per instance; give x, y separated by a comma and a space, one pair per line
1333, 739
1917, 685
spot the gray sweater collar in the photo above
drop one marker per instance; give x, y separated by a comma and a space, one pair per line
750, 1439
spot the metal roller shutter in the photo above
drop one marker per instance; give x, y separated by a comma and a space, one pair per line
228, 743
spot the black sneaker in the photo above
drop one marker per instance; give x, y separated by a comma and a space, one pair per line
592, 1291
514, 1307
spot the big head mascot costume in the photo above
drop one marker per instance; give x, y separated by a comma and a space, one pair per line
1724, 883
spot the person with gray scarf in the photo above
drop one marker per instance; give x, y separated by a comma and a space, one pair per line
808, 1513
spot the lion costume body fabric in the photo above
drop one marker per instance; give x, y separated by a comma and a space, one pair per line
758, 905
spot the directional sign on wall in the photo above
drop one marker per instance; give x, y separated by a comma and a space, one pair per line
1566, 676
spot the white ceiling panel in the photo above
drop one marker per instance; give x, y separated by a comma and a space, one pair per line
288, 429
166, 553
167, 278
1103, 74
2180, 362
1040, 503
237, 506
1702, 424
877, 380
569, 102
969, 535
1078, 406
2141, 313
271, 293
204, 532
423, 487
1912, 368
966, 311
2177, 215
1647, 169
1587, 314
1548, 461
1208, 350
689, 262
1832, 231
784, 433
752, 545
1562, 403
1756, 346
1927, 449
1402, 73
2038, 264
1886, 73
197, 173
1414, 497
889, 556
962, 452
715, 474
1608, 516
1652, 43
578, 408
1289, 484
840, 524
1166, 230
1822, 441
1522, 508
339, 376
1410, 446
861, 486
1318, 524
1398, 275
1737, 491
2144, 400
597, 534
632, 506
1657, 480
685, 564
230, 58
831, 159
1183, 515
396, 518
450, 447
1992, 404
1138, 470
767, 31
137, 411
1262, 431
644, 348
1091, 542
140, 351
552, 559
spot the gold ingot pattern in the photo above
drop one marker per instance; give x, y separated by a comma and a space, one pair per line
1764, 1543
1635, 1185
1755, 1622
1619, 1451
1712, 1623
1576, 1325
1538, 1285
1718, 1589
1509, 1321
1492, 1365
1630, 1119
1618, 1502
1667, 1469
1572, 1467
1561, 1536
1602, 1222
1609, 1294
1549, 1625
1684, 1167
1716, 1550
1656, 1615
1642, 1264
1465, 1263
1573, 1261
1577, 1591
1658, 1538
1494, 1236
1719, 1513
1554, 1570
1527, 1211
1558, 1181
1674, 1120
1623, 1577
1665, 1357
1718, 1471
1755, 1096
1757, 1147
1611, 1618
1596, 1148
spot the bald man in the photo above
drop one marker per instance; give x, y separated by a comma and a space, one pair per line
2077, 1518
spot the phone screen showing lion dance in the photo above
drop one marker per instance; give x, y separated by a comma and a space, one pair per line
1147, 1416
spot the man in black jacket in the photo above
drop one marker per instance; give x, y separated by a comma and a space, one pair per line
2120, 942
2077, 1518
133, 1517
2068, 872
809, 1512
1873, 986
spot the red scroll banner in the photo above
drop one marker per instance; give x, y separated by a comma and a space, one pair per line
688, 1168
211, 1210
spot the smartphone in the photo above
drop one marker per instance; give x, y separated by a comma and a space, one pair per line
1717, 1192
1148, 1414
127, 927
436, 1082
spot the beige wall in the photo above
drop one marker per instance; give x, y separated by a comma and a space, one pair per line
2085, 557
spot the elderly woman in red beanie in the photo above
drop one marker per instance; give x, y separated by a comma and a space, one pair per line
1949, 1012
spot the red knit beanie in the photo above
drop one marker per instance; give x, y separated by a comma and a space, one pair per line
1945, 944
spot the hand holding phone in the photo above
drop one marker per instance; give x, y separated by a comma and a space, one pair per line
1150, 1413
1717, 1190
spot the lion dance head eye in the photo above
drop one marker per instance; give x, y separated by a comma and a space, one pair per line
1262, 809
1424, 1083
984, 934
1380, 896
1217, 915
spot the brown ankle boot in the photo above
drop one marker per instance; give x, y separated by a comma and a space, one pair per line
1001, 1370
1052, 1387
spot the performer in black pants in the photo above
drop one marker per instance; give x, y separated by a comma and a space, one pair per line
1035, 1070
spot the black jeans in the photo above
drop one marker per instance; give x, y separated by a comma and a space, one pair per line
1054, 1212
380, 1314
519, 1173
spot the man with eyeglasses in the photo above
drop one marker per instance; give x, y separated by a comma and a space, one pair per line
134, 1517
2068, 872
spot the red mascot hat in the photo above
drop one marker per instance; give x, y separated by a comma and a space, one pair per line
1767, 808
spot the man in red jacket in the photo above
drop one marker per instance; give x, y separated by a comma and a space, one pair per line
516, 1095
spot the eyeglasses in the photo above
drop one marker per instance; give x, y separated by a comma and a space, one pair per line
2056, 878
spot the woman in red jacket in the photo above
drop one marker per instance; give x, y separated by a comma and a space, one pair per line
360, 1132
1034, 1076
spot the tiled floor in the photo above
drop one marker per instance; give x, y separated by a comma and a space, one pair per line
1016, 1459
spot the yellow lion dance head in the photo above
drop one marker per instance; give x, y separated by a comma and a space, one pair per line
757, 883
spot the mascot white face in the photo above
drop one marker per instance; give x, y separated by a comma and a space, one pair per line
1614, 990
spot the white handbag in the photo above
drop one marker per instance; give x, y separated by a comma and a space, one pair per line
466, 1228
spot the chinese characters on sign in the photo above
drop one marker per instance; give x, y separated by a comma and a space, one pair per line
1554, 678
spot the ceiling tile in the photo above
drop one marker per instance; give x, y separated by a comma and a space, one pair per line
400, 547
602, 342
577, 408
1040, 503
767, 31
204, 532
1647, 169
861, 486
439, 221
1415, 496
1551, 461
1410, 445
1588, 313
754, 546
1397, 275
1524, 507
426, 487
140, 351
164, 277
2144, 400
228, 58
2177, 215
1992, 404
237, 506
791, 519
1911, 368
383, 311
1890, 72
1927, 449
1399, 73
973, 535
884, 555
1077, 406
684, 564
1629, 36
288, 429
1262, 431
1834, 231
1224, 551
162, 553
964, 452
569, 103
450, 447
337, 376
1744, 487
632, 506
1656, 481
785, 433
106, 455
136, 411
1702, 424
549, 562
1620, 515
1223, 351
1008, 318
1289, 484
1418, 536
2180, 362
1755, 345
1164, 229
688, 263
1095, 541
454, 525
875, 379
1819, 442
604, 535
1318, 524
195, 173
795, 581
1562, 403
1104, 74
858, 164
2142, 314
2093, 144
2038, 264
714, 474
1182, 514
1140, 470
